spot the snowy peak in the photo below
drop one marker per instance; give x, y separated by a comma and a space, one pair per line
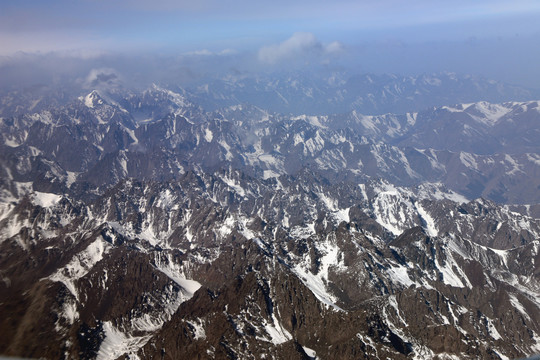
488, 113
479, 128
93, 99
159, 94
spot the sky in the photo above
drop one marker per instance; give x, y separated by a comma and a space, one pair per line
491, 37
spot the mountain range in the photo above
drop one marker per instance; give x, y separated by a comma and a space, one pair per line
217, 222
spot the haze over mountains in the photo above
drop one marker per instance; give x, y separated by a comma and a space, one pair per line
368, 94
298, 92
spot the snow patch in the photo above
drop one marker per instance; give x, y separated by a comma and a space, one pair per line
468, 160
267, 174
176, 274
67, 316
237, 187
342, 215
503, 254
534, 158
45, 199
400, 275
228, 153
208, 135
71, 178
430, 227
81, 264
116, 343
492, 330
278, 334
392, 301
92, 99
393, 209
70, 312
302, 232
149, 235
449, 276
516, 168
317, 283
519, 307
11, 143
310, 352
438, 192
198, 329
131, 134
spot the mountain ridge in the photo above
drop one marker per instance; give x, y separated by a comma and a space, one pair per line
496, 154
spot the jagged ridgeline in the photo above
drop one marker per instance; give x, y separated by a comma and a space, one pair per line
139, 225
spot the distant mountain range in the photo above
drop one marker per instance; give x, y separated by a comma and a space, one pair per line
247, 219
300, 93
477, 149
341, 93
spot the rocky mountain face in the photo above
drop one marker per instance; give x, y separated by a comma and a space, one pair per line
138, 225
225, 265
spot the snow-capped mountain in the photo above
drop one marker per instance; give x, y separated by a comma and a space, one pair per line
135, 224
479, 149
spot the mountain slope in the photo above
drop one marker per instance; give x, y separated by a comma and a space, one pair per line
378, 258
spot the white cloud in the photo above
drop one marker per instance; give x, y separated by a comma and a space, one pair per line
227, 52
206, 52
203, 52
334, 47
299, 45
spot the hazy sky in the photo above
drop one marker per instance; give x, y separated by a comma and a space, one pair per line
412, 36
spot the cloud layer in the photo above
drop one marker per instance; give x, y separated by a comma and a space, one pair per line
300, 47
60, 25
